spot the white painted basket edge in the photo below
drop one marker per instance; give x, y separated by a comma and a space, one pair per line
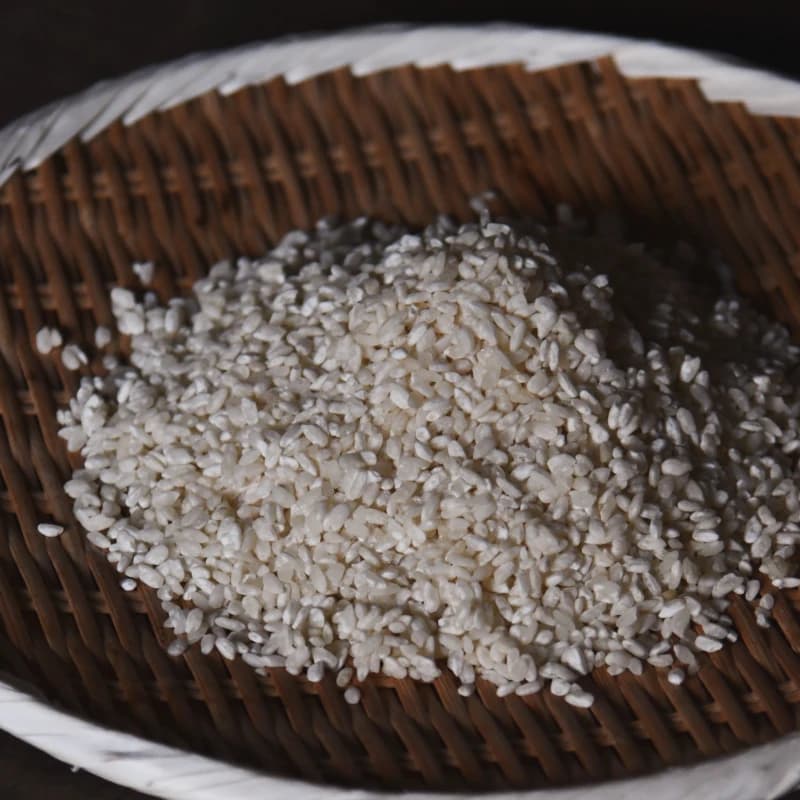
25, 143
759, 773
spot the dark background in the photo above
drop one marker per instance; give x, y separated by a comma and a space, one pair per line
49, 49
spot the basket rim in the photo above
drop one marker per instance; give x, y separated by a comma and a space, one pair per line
768, 770
29, 140
160, 770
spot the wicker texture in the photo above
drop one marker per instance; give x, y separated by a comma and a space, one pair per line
220, 176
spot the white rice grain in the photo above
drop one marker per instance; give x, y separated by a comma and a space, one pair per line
48, 339
50, 529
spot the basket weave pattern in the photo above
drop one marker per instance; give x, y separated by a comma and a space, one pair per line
221, 176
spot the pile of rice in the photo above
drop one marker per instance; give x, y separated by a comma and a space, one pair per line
515, 452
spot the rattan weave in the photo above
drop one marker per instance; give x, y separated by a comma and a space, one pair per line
220, 176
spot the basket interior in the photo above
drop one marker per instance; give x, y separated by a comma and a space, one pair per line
222, 176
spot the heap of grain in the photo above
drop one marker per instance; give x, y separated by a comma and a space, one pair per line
509, 450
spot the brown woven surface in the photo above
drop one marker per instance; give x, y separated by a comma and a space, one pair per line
223, 176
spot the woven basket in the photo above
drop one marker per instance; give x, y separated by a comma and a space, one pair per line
164, 167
